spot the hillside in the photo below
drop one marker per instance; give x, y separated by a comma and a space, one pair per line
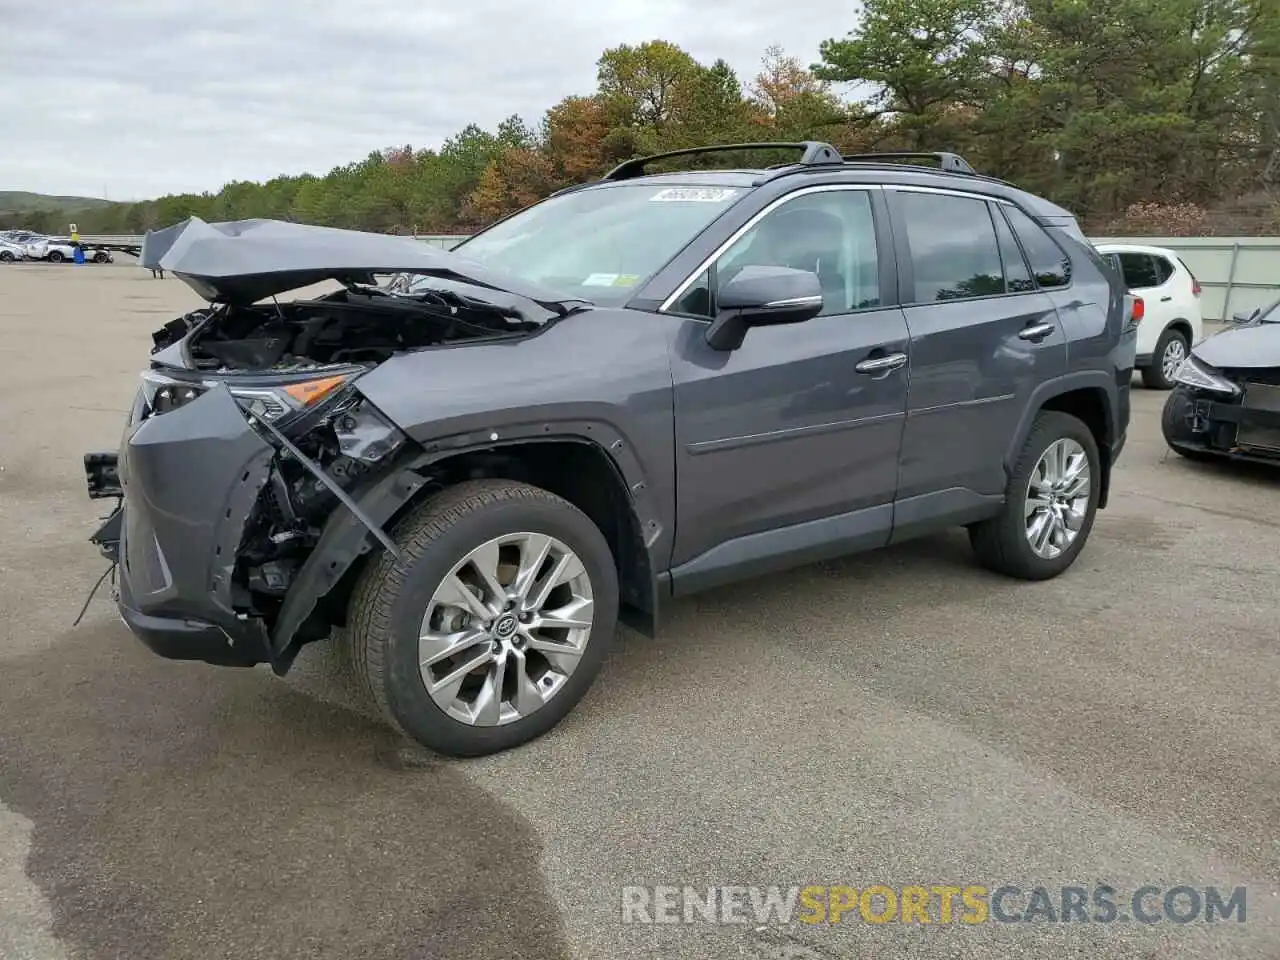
20, 201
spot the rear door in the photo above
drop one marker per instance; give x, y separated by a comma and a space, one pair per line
983, 337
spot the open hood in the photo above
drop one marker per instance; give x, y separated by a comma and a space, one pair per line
1249, 346
244, 261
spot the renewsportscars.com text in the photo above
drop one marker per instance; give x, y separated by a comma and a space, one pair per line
935, 903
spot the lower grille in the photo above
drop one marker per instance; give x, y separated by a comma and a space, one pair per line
1262, 397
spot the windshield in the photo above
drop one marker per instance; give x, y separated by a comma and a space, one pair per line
1270, 314
602, 243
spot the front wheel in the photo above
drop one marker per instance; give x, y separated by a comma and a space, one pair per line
99, 257
1050, 502
493, 626
1170, 351
6, 256
55, 256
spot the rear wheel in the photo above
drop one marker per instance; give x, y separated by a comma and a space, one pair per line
6, 256
1050, 502
100, 257
494, 625
1170, 351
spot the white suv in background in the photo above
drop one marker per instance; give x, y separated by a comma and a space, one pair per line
1171, 296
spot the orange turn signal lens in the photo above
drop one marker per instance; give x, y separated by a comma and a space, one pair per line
311, 391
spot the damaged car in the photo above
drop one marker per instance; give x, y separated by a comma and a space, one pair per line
638, 388
1226, 398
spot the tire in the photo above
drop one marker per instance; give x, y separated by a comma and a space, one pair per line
391, 599
55, 256
1002, 543
1171, 349
99, 257
6, 256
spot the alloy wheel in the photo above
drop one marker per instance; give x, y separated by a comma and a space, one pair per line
505, 629
1174, 353
1057, 499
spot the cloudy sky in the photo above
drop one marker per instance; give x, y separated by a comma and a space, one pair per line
139, 98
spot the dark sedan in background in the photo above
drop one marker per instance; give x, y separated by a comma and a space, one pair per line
1226, 399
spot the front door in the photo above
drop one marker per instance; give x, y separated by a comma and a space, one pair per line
787, 448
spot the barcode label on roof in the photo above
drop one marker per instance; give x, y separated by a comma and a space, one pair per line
693, 194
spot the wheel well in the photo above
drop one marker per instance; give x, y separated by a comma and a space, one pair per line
1089, 405
580, 472
1183, 327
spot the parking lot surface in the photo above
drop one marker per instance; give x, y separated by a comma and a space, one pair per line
898, 718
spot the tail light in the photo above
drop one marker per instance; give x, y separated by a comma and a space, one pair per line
1195, 284
1139, 310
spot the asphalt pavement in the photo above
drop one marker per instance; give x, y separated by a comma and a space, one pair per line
900, 718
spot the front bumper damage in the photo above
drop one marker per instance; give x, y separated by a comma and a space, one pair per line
1244, 428
190, 482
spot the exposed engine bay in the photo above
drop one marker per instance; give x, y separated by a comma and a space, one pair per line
355, 325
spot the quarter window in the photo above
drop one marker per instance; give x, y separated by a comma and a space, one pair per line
829, 232
954, 250
1049, 264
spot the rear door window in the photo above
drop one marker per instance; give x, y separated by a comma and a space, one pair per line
1140, 271
1017, 275
954, 250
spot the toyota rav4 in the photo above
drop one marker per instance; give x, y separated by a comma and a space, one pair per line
635, 389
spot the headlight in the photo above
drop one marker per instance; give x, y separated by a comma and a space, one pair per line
1192, 373
273, 403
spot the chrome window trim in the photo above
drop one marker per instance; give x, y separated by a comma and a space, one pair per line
742, 230
966, 194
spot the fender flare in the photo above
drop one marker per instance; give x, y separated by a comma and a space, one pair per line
345, 537
1080, 380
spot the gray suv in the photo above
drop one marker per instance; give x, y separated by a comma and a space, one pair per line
635, 389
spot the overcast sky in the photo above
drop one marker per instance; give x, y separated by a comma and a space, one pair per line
145, 97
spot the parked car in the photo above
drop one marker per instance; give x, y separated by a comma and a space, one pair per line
9, 252
1226, 403
1172, 319
59, 250
636, 389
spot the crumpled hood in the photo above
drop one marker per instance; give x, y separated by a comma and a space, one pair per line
1250, 346
243, 261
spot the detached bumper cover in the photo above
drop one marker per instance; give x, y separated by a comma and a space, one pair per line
189, 479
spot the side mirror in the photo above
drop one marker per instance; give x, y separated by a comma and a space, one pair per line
1244, 317
762, 296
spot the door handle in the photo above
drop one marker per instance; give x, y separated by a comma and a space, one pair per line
883, 364
1037, 331
1165, 299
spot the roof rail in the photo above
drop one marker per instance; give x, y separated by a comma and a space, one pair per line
813, 153
949, 162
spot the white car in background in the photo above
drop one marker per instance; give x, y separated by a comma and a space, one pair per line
61, 249
1170, 293
9, 251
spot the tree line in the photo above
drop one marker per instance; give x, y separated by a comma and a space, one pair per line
1142, 116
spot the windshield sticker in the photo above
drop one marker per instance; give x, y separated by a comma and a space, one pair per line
600, 280
693, 195
626, 280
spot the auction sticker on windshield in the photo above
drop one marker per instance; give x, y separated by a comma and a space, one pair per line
694, 194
